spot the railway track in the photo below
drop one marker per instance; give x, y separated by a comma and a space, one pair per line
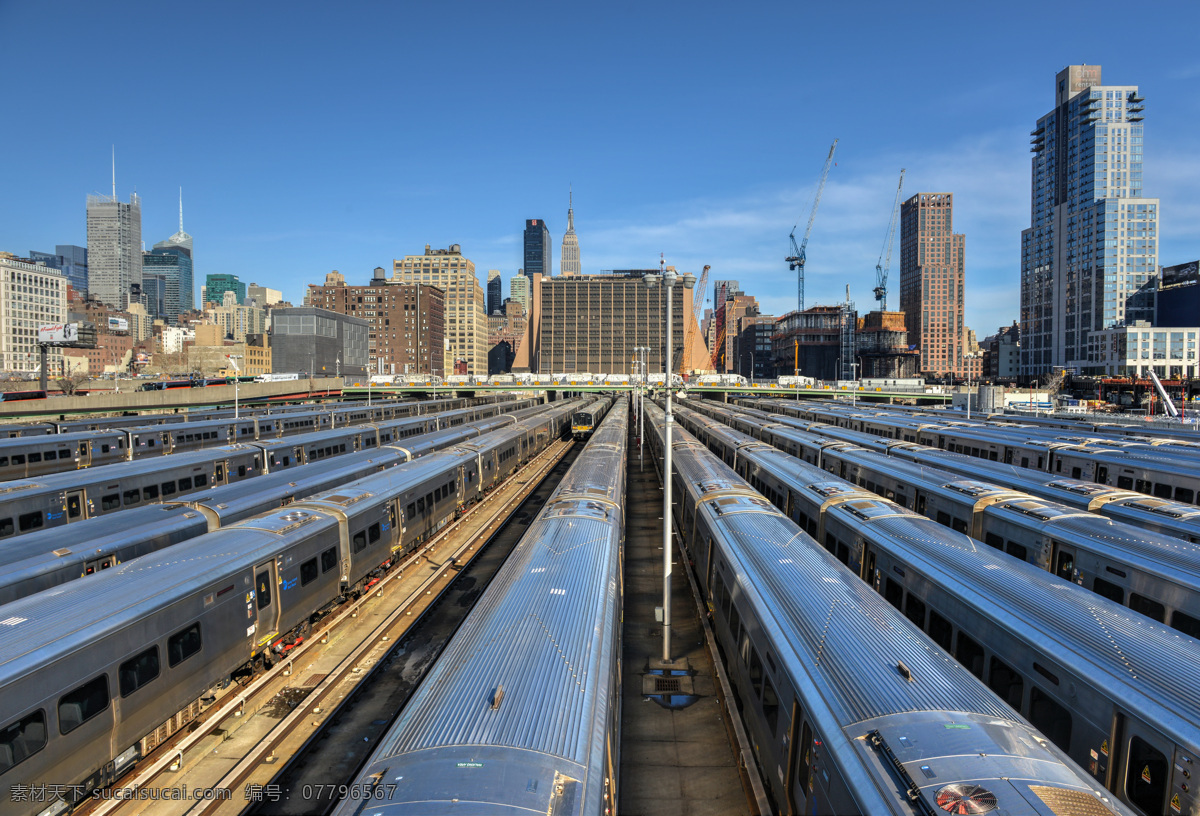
249, 733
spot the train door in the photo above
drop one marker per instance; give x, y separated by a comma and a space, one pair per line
800, 778
1063, 561
793, 746
868, 564
98, 564
76, 506
266, 587
1141, 766
85, 454
221, 472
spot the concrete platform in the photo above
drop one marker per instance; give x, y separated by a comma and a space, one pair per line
674, 762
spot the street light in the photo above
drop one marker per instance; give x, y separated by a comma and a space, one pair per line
854, 385
669, 279
639, 381
233, 358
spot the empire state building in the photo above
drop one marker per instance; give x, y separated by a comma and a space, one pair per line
568, 264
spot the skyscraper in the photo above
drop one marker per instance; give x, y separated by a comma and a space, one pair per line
172, 265
932, 274
1092, 240
215, 287
518, 289
495, 292
466, 327
114, 243
568, 262
538, 260
181, 293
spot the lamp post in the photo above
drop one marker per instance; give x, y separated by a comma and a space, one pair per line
233, 358
669, 279
854, 385
796, 361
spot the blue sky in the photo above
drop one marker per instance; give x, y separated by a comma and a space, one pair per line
310, 137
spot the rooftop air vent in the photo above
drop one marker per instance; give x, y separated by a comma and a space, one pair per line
964, 798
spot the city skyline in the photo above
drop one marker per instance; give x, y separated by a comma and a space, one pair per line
695, 184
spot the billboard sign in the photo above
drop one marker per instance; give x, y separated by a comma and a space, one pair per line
118, 324
58, 333
1181, 274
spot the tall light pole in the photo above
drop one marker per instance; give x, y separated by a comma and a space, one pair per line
233, 358
640, 386
854, 385
669, 279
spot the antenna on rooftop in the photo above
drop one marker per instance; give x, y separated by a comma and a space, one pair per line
114, 165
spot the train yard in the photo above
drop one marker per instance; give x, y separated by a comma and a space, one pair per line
449, 606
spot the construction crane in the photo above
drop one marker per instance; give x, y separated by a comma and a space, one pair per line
885, 255
795, 261
697, 311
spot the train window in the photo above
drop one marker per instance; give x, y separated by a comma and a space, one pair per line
1183, 494
735, 620
308, 572
992, 455
1146, 779
373, 533
360, 541
1162, 491
133, 497
263, 582
80, 705
287, 460
6, 527
329, 559
1049, 717
35, 457
843, 553
893, 592
184, 644
1024, 461
411, 510
168, 488
421, 505
830, 542
914, 610
1058, 466
943, 518
241, 471
1125, 482
970, 654
201, 479
30, 521
1017, 550
1108, 590
1065, 567
138, 671
150, 492
1143, 486
429, 500
940, 630
22, 739
993, 540
185, 484
1007, 683
756, 672
1185, 623
958, 525
770, 705
1147, 606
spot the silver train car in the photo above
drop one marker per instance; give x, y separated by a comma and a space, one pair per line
86, 698
65, 498
1149, 513
850, 707
1154, 574
41, 560
586, 420
522, 711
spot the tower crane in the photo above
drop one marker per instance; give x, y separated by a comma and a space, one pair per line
795, 261
697, 311
885, 254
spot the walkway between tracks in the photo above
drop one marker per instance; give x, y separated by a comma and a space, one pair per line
673, 760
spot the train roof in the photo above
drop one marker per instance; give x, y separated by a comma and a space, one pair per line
842, 633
